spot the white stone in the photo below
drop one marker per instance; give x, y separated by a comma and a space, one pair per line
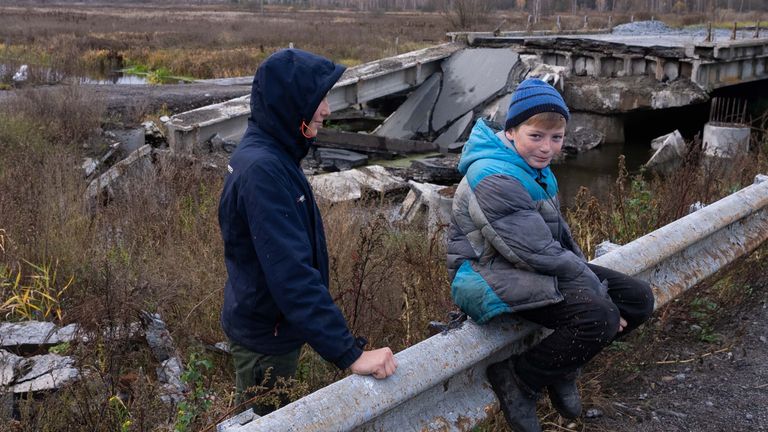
350, 185
11, 366
671, 138
48, 372
35, 333
670, 151
22, 74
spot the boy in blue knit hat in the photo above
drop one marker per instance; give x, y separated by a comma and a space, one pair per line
510, 251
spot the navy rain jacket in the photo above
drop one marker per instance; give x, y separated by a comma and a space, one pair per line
276, 296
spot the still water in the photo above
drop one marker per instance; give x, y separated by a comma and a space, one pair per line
597, 169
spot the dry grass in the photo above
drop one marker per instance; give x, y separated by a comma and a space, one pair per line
201, 41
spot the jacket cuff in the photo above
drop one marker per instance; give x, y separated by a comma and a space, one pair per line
349, 357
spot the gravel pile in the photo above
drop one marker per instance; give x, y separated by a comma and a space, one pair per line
643, 28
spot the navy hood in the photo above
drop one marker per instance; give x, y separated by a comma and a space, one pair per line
287, 89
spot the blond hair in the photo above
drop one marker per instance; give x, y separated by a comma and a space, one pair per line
545, 120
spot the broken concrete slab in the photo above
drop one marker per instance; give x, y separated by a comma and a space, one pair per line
137, 162
436, 169
46, 372
130, 139
625, 94
35, 333
412, 117
368, 143
674, 138
331, 159
218, 144
429, 199
471, 77
725, 141
582, 139
11, 367
670, 153
456, 130
351, 185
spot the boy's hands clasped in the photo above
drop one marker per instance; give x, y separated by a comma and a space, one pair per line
380, 363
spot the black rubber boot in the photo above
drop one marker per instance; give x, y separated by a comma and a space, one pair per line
516, 399
564, 396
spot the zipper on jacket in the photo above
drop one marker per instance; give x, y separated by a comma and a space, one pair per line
277, 324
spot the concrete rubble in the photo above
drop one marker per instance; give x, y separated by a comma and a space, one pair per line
130, 139
153, 135
331, 159
434, 201
551, 74
353, 184
46, 372
456, 131
163, 349
471, 77
412, 117
218, 144
436, 169
582, 139
670, 150
35, 333
108, 183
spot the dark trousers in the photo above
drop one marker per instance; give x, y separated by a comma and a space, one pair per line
256, 374
584, 323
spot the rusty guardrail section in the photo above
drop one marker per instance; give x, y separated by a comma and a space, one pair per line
440, 384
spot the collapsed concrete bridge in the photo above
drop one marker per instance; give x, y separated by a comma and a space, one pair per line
602, 76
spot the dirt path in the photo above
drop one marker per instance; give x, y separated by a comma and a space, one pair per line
701, 365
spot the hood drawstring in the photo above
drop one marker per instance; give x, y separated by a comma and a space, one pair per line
305, 130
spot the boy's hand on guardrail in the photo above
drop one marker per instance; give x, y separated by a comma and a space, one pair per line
622, 324
380, 363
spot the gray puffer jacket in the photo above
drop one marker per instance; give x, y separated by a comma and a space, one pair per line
509, 248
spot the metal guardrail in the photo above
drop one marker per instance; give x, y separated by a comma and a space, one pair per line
440, 383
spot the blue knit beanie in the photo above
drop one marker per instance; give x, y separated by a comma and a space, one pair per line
534, 96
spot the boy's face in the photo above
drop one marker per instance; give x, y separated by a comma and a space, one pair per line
535, 144
321, 113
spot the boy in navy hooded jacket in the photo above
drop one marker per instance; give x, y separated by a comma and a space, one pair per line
276, 297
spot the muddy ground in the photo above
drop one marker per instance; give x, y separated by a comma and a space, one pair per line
700, 365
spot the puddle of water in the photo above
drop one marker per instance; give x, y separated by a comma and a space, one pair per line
118, 78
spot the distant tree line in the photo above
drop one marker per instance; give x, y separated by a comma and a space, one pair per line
544, 6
